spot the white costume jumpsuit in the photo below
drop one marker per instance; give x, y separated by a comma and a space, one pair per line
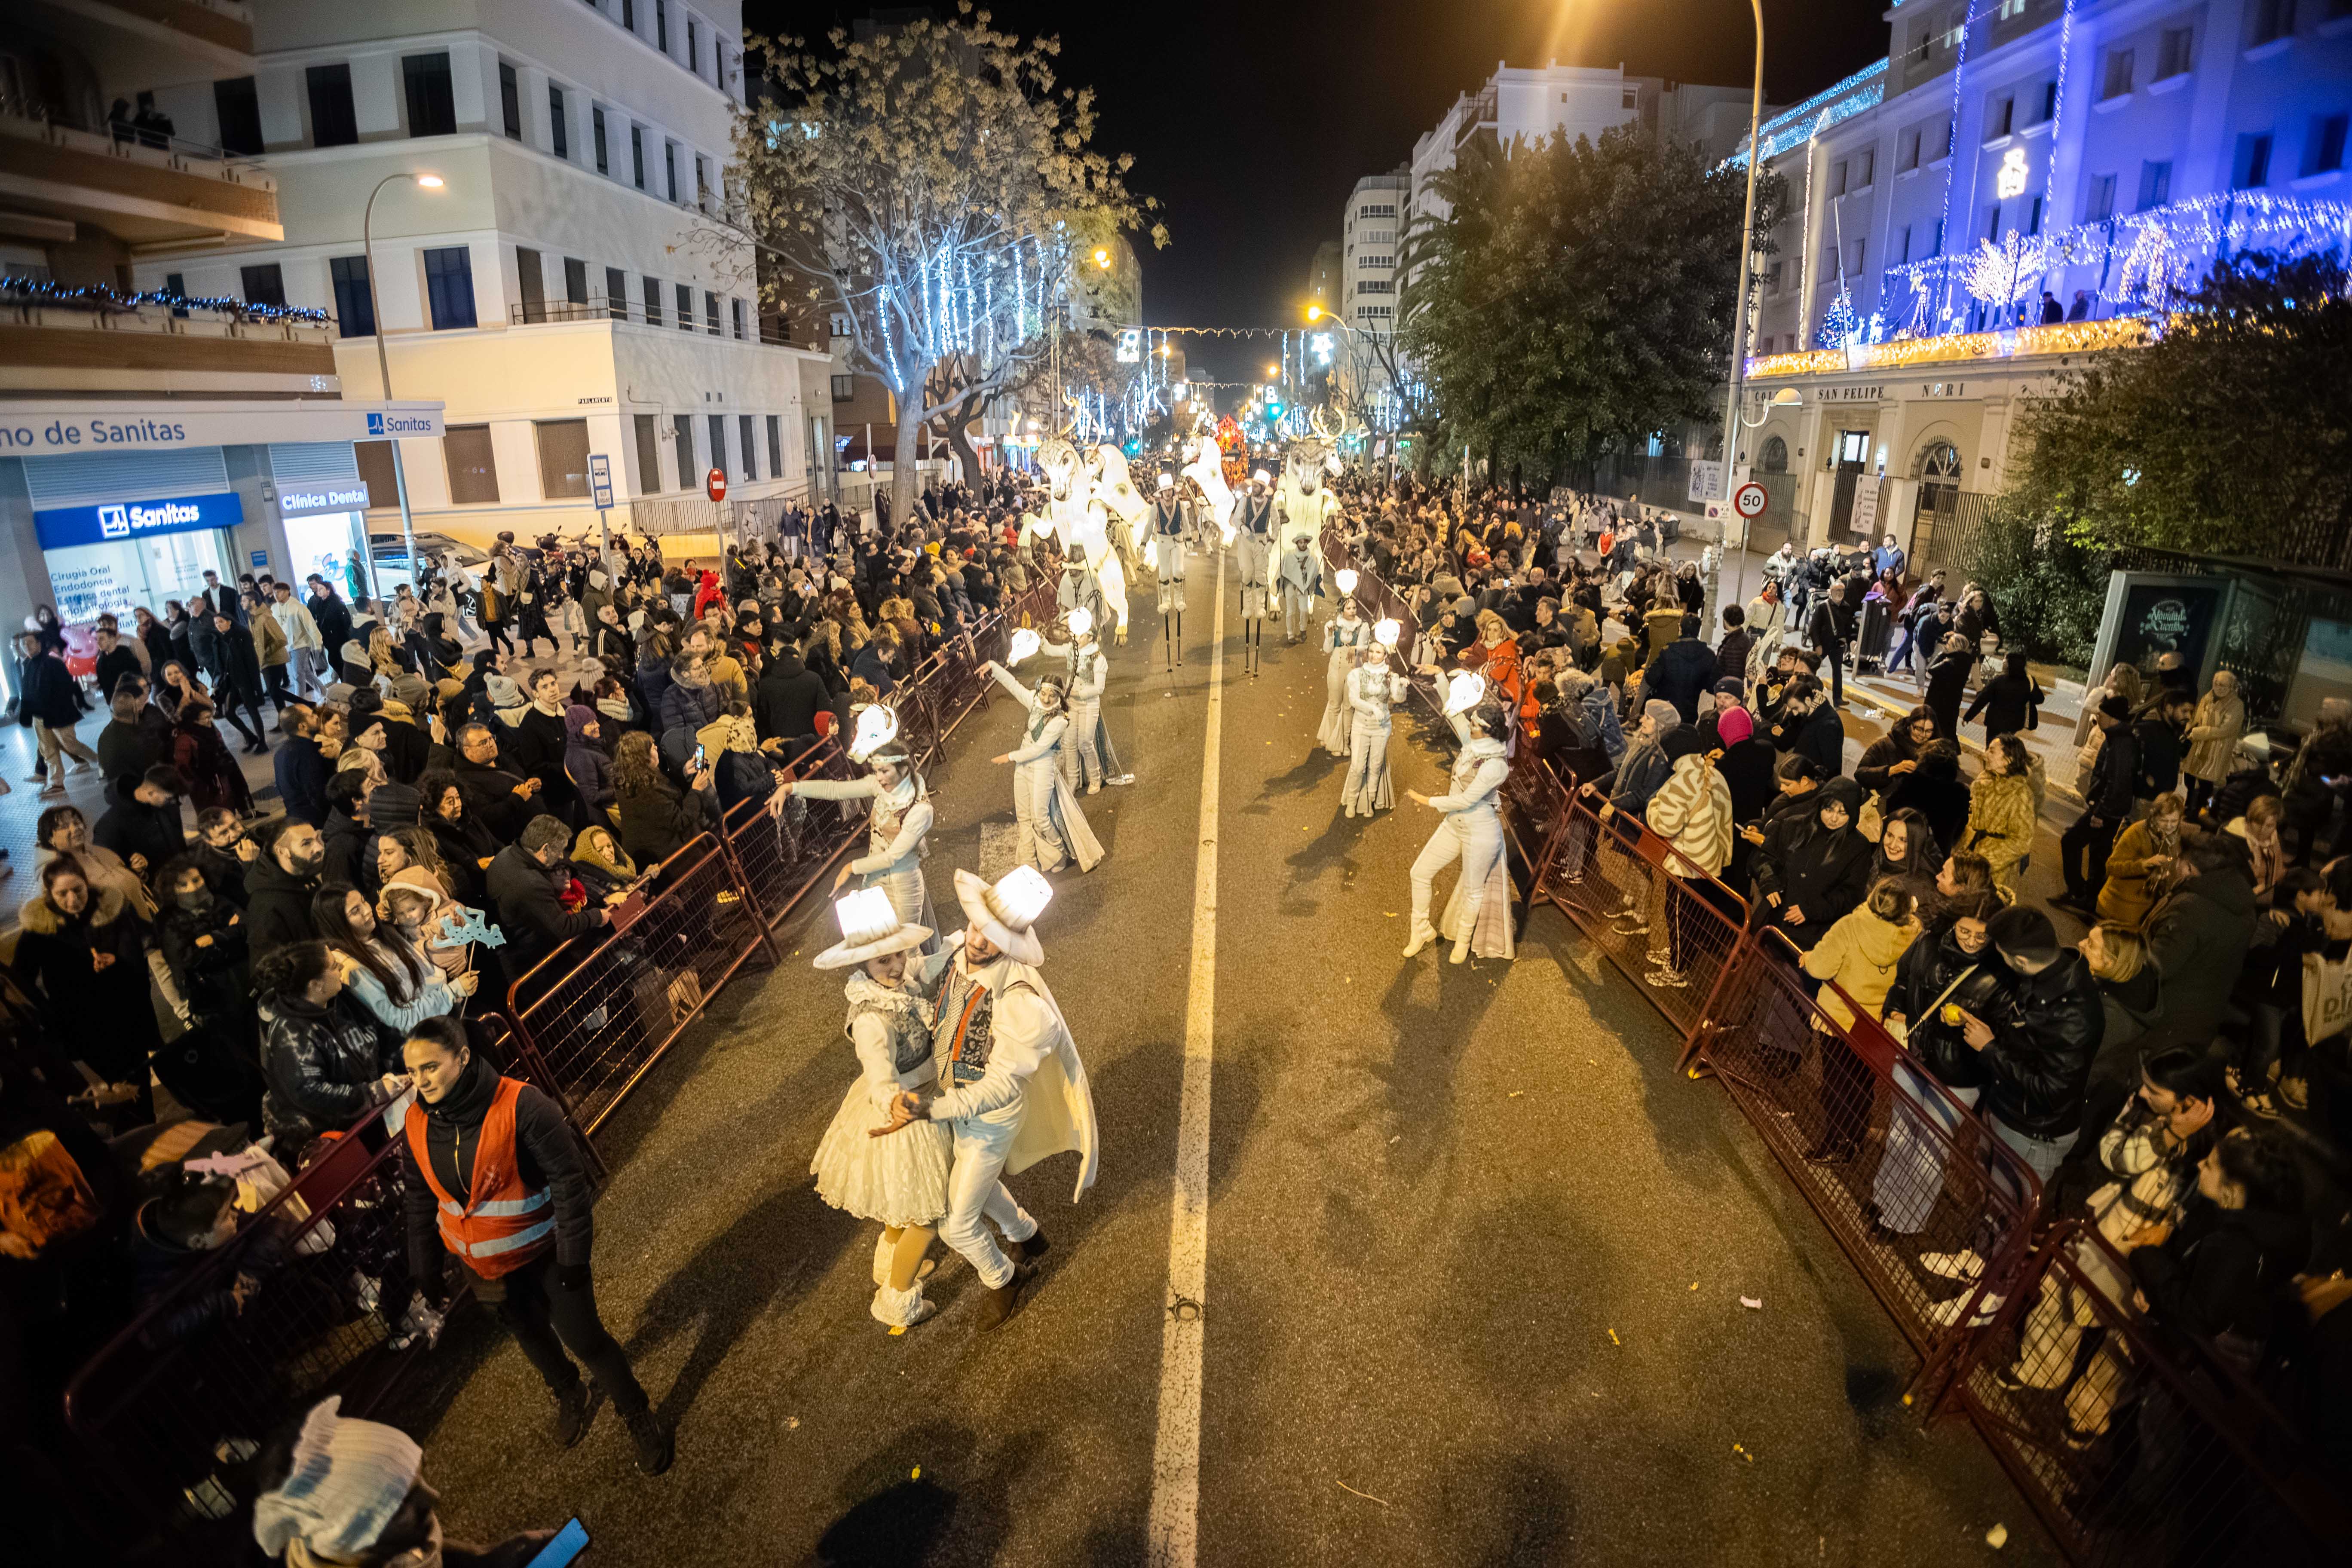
1297, 575
895, 840
1165, 526
1253, 550
1371, 691
1472, 831
1087, 760
1343, 636
1054, 831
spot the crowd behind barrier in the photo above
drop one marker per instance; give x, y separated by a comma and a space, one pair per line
2189, 1462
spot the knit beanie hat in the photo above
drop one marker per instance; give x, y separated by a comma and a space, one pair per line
1662, 714
1734, 725
348, 1478
576, 720
1682, 741
395, 805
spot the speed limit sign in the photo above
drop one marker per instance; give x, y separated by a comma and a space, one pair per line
1749, 500
715, 485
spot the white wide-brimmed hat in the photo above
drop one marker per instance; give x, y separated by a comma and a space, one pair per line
1004, 913
869, 928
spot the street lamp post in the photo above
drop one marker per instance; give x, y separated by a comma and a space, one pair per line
1740, 311
384, 363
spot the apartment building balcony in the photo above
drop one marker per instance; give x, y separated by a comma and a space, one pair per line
148, 43
106, 345
604, 308
147, 195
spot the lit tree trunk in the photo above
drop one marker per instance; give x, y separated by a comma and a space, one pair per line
902, 462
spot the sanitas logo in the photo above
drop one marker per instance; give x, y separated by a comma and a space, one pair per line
171, 514
399, 425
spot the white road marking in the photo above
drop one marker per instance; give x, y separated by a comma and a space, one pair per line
1174, 1530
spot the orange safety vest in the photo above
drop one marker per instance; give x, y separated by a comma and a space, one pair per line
504, 1224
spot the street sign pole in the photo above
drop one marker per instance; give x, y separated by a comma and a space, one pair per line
600, 490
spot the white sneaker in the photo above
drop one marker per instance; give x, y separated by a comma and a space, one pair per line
1946, 1313
1965, 1267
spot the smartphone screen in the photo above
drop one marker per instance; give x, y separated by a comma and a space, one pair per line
700, 761
569, 1543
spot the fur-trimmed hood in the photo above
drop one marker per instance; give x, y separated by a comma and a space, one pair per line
41, 917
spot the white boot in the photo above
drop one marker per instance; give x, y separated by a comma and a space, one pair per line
1460, 949
901, 1309
1424, 933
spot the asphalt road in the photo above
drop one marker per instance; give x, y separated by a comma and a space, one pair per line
1476, 1254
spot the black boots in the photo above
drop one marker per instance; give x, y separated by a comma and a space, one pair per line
575, 1408
656, 1447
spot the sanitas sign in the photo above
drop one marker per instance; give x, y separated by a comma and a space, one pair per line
60, 528
172, 427
326, 498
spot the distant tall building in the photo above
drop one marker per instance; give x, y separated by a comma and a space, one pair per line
1323, 275
1371, 237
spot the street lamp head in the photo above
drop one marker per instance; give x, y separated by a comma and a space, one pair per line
1102, 258
1315, 313
1786, 397
430, 181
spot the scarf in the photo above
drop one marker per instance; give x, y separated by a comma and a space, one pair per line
619, 867
864, 990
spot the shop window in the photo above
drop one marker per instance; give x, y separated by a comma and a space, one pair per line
432, 102
354, 310
682, 431
562, 458
747, 445
449, 287
237, 106
648, 453
473, 468
264, 285
334, 121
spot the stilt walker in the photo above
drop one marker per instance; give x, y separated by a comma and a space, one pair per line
898, 1182
1373, 690
899, 828
1011, 1087
1472, 832
1253, 544
1345, 635
1164, 526
1054, 831
1087, 760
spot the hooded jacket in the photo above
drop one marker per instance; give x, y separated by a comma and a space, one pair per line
1859, 955
2197, 939
1692, 811
585, 762
1822, 871
1684, 669
276, 906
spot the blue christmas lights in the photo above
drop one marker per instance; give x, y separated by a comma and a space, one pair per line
39, 291
1861, 91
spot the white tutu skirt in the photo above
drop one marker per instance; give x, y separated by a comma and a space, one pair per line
896, 1181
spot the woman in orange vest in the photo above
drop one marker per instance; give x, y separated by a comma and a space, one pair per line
495, 1175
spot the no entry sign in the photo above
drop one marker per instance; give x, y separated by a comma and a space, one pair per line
1749, 500
716, 483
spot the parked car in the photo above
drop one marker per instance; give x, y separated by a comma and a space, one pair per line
390, 551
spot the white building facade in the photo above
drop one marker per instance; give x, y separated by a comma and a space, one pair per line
2012, 188
569, 288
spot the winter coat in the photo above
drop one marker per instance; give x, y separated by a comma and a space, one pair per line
1821, 872
214, 778
789, 697
1947, 682
302, 773
2158, 759
269, 641
2222, 1271
1819, 736
2213, 735
1938, 794
276, 906
2042, 1044
104, 1013
492, 801
1859, 954
2000, 823
1681, 673
590, 772
212, 976
659, 817
1692, 811
689, 708
2126, 897
47, 690
322, 1063
2005, 701
2198, 938
1927, 968
129, 828
1876, 773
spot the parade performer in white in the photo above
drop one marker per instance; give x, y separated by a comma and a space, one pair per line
1111, 500
1252, 539
1164, 526
1053, 830
1344, 637
899, 1183
1011, 1087
1472, 832
1299, 577
1089, 762
1373, 690
900, 821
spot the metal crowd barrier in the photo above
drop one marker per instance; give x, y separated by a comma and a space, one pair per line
167, 1412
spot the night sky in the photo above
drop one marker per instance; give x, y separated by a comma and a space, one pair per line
1252, 122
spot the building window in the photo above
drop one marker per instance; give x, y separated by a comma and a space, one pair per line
2049, 103
637, 152
737, 306
237, 106
710, 313
562, 458
718, 441
473, 466
1902, 245
449, 288
1993, 221
1837, 178
693, 46
2034, 218
1854, 257
264, 285
661, 26
432, 102
775, 446
596, 123
2325, 149
560, 132
2099, 198
510, 102
1866, 168
616, 293
2154, 183
685, 307
2118, 79
533, 284
575, 280
2273, 20
333, 123
354, 311
1939, 248
629, 15
843, 389
649, 454
1377, 209
747, 445
2172, 52
1772, 276
1630, 99
1906, 150
2251, 168
1375, 286
1774, 458
1376, 261
669, 167
653, 303
681, 426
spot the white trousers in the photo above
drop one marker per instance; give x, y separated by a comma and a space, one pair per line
976, 1188
1168, 567
1032, 807
1475, 843
1297, 610
1367, 788
1082, 762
